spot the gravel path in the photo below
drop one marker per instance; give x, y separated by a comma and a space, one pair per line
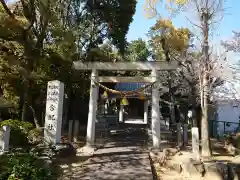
122, 158
120, 163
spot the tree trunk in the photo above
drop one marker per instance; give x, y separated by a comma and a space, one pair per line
204, 127
66, 105
35, 119
194, 105
205, 89
25, 100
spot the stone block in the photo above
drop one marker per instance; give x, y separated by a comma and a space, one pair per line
4, 138
233, 171
212, 172
65, 150
190, 170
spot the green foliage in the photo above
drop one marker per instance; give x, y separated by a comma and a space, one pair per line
16, 124
35, 135
19, 131
105, 53
165, 38
137, 50
123, 17
117, 15
24, 166
40, 39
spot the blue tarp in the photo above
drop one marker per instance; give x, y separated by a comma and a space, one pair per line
131, 87
128, 86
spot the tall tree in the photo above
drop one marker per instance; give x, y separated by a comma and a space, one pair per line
41, 38
169, 43
207, 11
137, 50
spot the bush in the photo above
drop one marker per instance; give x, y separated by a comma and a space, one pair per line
16, 124
35, 136
19, 131
24, 166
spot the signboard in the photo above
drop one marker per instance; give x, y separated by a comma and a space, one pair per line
53, 115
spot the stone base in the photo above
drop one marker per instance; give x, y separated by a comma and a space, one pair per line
65, 150
155, 150
86, 151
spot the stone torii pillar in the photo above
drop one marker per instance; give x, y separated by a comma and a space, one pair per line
155, 112
90, 138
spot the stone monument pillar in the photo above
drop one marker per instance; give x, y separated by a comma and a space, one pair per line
54, 111
195, 134
185, 134
195, 143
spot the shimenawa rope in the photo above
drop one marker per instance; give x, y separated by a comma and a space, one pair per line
124, 93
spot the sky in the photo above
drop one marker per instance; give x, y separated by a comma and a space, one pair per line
223, 29
141, 25
227, 22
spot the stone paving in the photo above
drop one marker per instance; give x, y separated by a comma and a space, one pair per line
122, 158
120, 163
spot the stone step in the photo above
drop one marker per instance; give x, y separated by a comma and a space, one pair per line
165, 135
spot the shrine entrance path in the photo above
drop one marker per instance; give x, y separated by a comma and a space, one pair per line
122, 158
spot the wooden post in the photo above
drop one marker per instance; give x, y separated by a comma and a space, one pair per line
224, 127
92, 109
185, 134
179, 134
145, 118
70, 130
121, 111
76, 131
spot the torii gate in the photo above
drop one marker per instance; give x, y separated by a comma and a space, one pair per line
153, 66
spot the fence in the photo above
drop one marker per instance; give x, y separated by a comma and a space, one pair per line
218, 128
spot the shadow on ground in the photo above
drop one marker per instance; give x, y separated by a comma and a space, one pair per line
127, 136
116, 163
122, 157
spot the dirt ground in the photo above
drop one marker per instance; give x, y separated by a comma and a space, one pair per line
122, 157
69, 166
218, 154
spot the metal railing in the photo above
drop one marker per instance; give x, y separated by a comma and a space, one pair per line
218, 129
